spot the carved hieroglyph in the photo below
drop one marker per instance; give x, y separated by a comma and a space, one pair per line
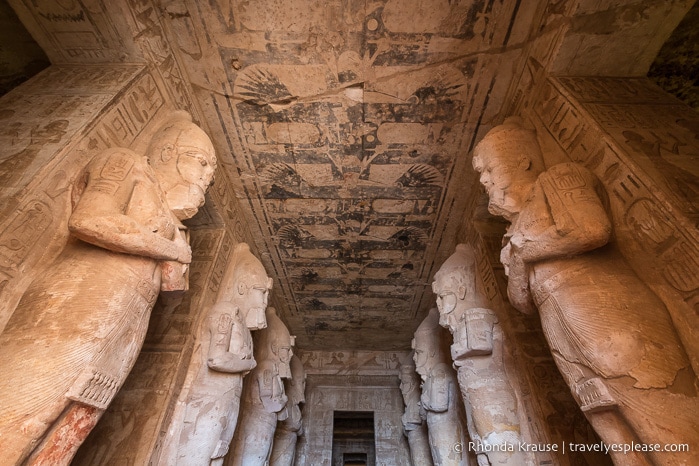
77, 330
611, 337
440, 397
264, 398
224, 356
414, 426
491, 406
291, 428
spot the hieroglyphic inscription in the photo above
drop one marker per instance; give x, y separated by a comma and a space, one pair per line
23, 232
148, 35
78, 31
126, 120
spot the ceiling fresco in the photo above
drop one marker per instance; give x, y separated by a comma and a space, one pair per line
344, 124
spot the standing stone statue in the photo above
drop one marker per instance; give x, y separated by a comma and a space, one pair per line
440, 398
226, 353
79, 327
491, 406
611, 336
264, 398
414, 426
289, 430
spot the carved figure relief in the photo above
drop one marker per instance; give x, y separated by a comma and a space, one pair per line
414, 426
225, 351
611, 336
290, 429
77, 330
477, 351
264, 397
439, 399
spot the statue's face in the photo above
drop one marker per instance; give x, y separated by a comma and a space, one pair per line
195, 168
406, 384
256, 300
196, 164
184, 162
504, 180
284, 354
446, 301
421, 355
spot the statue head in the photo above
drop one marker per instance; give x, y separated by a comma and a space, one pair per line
275, 344
409, 379
184, 162
456, 285
509, 161
246, 284
427, 344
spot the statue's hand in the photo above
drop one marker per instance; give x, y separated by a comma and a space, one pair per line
248, 364
184, 250
517, 273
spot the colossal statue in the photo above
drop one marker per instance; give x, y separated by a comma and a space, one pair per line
289, 430
439, 399
264, 398
414, 426
477, 351
79, 327
611, 336
225, 355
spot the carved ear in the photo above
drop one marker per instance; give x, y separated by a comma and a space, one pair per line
525, 163
167, 152
461, 292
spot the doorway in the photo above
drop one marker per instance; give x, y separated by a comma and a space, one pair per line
354, 441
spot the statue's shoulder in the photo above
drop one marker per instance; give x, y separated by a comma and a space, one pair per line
116, 163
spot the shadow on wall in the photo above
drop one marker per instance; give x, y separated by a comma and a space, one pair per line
20, 57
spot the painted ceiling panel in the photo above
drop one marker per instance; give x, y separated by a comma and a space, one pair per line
345, 123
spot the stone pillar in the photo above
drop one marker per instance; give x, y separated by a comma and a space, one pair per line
414, 426
264, 397
491, 405
628, 371
440, 397
78, 328
290, 429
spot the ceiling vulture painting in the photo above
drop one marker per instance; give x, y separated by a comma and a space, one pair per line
344, 123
